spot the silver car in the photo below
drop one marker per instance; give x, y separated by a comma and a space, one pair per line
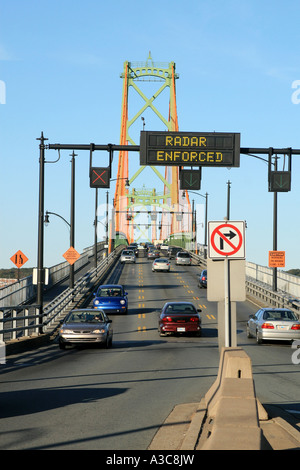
273, 324
161, 264
127, 256
183, 257
86, 326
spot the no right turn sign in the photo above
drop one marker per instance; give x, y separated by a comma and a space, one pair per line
226, 239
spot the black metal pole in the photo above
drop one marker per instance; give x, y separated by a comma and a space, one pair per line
95, 233
72, 218
275, 232
40, 255
106, 227
228, 200
205, 226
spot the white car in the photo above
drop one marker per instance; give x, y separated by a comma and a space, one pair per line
273, 324
161, 264
127, 256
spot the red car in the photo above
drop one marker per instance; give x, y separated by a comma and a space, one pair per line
179, 317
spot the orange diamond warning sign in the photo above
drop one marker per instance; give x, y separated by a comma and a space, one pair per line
71, 255
19, 259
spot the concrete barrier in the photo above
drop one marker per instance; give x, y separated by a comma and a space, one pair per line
228, 417
232, 410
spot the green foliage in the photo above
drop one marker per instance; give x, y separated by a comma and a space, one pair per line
12, 273
295, 272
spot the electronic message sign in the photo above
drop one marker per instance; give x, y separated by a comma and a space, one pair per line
190, 149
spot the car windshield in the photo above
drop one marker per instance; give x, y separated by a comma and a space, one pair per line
281, 315
179, 308
109, 292
85, 317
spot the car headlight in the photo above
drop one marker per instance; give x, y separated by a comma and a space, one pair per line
65, 331
122, 302
97, 302
98, 331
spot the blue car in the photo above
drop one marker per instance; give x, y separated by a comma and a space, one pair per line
111, 298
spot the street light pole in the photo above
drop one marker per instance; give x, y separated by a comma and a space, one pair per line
72, 218
40, 260
95, 227
106, 227
275, 230
228, 199
205, 220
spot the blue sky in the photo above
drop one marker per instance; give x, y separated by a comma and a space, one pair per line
60, 66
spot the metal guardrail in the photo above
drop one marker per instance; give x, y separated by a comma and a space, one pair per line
23, 291
17, 322
262, 292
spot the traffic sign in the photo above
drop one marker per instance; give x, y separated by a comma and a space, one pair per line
99, 177
226, 239
190, 149
19, 259
190, 179
276, 259
280, 181
71, 255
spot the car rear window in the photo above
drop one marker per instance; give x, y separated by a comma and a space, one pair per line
109, 293
180, 309
183, 255
283, 315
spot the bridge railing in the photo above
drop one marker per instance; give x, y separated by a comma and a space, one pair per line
259, 281
19, 321
24, 290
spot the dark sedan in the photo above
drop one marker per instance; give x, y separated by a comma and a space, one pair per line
202, 281
179, 317
86, 326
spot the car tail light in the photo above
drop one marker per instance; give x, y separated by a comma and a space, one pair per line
166, 319
203, 278
194, 319
295, 327
267, 326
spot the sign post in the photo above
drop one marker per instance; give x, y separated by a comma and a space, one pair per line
226, 255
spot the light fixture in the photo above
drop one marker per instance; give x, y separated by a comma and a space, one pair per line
46, 219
